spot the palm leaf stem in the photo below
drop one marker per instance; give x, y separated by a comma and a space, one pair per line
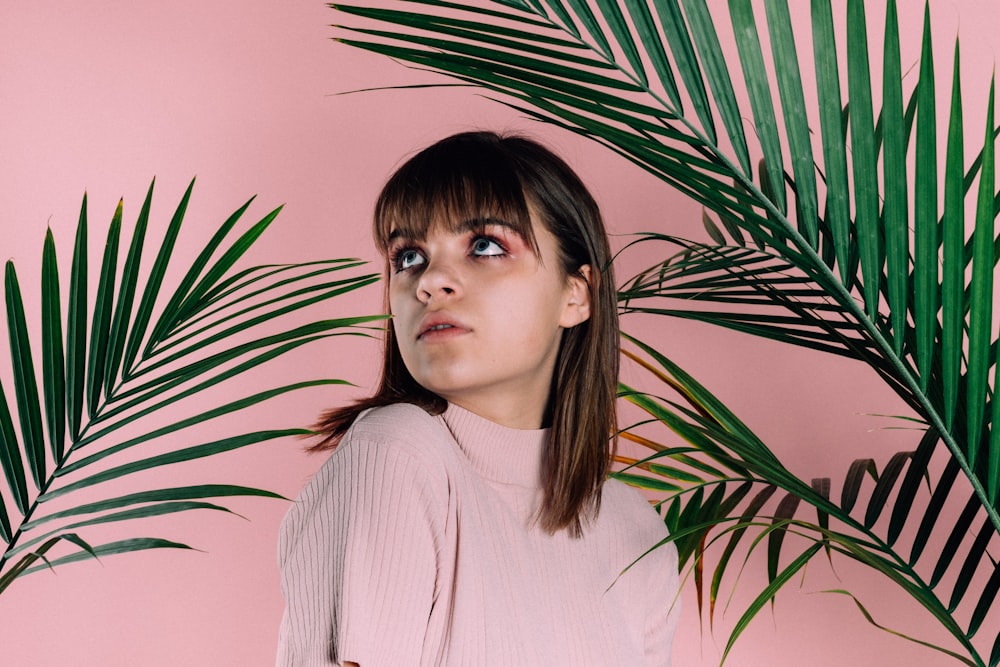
22, 566
20, 530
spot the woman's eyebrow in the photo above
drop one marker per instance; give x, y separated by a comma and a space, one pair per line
401, 234
477, 224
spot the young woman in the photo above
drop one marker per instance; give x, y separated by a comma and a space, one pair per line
464, 517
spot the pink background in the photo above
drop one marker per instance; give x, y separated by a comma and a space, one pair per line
104, 95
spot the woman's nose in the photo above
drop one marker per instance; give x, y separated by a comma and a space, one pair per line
438, 281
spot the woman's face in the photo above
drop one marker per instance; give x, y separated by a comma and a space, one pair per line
478, 316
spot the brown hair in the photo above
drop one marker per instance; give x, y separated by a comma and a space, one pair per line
482, 175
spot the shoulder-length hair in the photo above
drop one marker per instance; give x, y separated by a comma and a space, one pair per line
482, 175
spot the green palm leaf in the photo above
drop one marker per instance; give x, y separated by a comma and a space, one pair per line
794, 116
149, 295
126, 368
126, 296
186, 290
156, 496
927, 236
706, 40
862, 131
895, 193
53, 359
25, 385
981, 301
832, 129
13, 467
845, 528
682, 50
156, 509
76, 326
110, 549
100, 330
752, 59
953, 265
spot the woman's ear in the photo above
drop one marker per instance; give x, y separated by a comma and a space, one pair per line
577, 307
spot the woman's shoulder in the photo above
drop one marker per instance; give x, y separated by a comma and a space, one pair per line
625, 505
397, 430
395, 419
385, 443
390, 467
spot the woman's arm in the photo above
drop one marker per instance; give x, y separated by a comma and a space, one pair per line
665, 612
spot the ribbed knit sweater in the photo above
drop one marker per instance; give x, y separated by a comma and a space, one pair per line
416, 543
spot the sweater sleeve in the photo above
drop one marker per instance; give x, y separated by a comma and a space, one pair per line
358, 559
664, 607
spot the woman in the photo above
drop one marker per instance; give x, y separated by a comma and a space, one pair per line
464, 517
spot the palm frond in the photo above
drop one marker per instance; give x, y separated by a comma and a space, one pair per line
729, 455
651, 81
584, 87
118, 367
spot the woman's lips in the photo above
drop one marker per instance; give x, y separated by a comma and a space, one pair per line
440, 329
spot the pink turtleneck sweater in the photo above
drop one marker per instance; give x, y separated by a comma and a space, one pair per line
415, 544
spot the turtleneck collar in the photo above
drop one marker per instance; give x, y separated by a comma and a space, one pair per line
498, 453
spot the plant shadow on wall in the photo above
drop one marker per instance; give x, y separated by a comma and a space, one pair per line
113, 369
832, 237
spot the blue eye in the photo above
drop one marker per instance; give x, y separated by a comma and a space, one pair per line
407, 259
487, 247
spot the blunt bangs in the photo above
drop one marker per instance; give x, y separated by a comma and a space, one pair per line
449, 184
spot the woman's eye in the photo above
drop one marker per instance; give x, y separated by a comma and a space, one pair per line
407, 259
485, 247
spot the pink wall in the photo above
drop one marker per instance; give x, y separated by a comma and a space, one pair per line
106, 94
